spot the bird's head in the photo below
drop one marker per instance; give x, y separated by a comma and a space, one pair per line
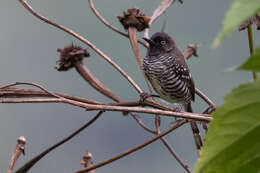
160, 42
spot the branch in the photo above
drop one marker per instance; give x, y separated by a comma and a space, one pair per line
138, 147
94, 81
26, 167
19, 148
95, 11
87, 161
24, 93
85, 41
186, 115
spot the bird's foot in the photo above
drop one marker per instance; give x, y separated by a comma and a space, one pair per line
144, 96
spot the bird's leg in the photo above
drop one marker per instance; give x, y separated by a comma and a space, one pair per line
144, 96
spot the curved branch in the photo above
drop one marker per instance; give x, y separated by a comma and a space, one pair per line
25, 168
28, 93
32, 84
88, 43
95, 11
138, 147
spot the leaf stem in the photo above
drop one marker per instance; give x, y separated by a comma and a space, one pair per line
251, 46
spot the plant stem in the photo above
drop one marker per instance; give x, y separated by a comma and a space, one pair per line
251, 46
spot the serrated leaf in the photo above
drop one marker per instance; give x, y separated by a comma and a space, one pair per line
253, 63
239, 12
232, 144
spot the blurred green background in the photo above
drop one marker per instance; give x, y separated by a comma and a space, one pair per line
28, 53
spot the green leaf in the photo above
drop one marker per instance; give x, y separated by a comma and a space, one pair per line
232, 144
239, 12
253, 63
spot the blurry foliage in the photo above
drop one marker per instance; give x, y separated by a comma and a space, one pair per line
232, 142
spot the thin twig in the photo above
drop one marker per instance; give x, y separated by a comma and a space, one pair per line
31, 100
105, 22
25, 93
167, 145
25, 168
138, 120
32, 84
138, 147
187, 115
87, 161
88, 43
19, 148
175, 155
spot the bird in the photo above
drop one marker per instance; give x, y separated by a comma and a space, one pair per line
166, 69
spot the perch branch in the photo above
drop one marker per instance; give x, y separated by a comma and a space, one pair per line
24, 93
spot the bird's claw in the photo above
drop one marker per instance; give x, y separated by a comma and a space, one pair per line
144, 96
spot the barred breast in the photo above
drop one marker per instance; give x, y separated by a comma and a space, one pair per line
171, 80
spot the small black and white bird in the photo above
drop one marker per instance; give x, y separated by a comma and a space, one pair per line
166, 69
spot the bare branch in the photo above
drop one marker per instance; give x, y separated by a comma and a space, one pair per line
105, 22
186, 115
26, 167
157, 12
207, 100
32, 84
138, 147
25, 93
19, 148
88, 43
31, 100
175, 155
94, 81
87, 161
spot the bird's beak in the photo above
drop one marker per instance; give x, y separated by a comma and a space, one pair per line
148, 40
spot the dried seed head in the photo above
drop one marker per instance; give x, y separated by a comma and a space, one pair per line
69, 56
134, 18
86, 158
255, 19
21, 140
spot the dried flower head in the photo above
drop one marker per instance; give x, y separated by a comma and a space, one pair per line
255, 19
134, 18
86, 158
69, 56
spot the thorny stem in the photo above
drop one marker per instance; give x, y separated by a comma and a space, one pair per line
138, 147
88, 43
251, 46
33, 161
95, 11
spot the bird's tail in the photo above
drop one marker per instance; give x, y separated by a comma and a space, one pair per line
194, 128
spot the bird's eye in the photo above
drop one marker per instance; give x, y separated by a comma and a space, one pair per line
163, 42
